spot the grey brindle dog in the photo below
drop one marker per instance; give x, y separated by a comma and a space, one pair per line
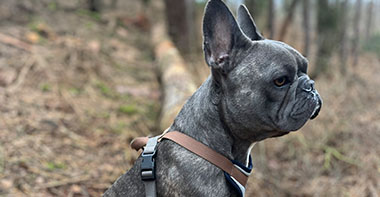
257, 89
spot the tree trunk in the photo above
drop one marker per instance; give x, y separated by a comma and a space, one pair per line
368, 28
327, 22
114, 4
306, 27
288, 19
356, 37
257, 7
180, 19
94, 5
251, 5
343, 37
176, 81
271, 19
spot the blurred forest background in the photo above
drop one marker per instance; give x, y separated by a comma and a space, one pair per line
79, 79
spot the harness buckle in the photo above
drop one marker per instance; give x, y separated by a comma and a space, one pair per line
148, 167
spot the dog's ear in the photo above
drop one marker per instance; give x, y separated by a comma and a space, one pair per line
247, 24
221, 34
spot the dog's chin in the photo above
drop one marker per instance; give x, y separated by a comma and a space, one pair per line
296, 121
317, 109
315, 112
281, 134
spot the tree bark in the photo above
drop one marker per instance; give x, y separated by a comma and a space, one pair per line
176, 81
94, 5
257, 7
327, 24
113, 4
306, 27
180, 21
343, 38
251, 4
369, 20
271, 19
288, 19
356, 30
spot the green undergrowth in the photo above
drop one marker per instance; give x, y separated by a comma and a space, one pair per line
128, 109
333, 153
105, 90
119, 128
55, 165
45, 87
86, 13
373, 44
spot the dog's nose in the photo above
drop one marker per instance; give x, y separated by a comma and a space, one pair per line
308, 86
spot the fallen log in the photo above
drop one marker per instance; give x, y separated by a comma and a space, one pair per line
15, 42
176, 80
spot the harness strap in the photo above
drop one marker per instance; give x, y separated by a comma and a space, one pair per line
198, 148
139, 142
207, 153
148, 167
150, 188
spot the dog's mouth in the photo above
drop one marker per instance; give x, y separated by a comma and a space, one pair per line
317, 109
281, 134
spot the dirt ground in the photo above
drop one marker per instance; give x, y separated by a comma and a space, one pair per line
76, 87
72, 98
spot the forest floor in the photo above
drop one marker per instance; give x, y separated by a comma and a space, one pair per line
76, 87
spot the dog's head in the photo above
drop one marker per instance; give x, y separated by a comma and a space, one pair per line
262, 86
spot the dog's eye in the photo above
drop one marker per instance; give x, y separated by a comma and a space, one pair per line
281, 81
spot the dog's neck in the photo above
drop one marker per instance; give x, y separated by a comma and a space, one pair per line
201, 119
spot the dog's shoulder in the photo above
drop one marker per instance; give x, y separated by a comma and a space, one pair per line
182, 173
128, 184
179, 172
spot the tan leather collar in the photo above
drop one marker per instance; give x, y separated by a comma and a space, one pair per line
199, 149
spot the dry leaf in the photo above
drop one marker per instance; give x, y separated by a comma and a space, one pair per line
32, 37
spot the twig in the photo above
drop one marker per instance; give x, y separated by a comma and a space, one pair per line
21, 76
2, 162
15, 42
64, 182
40, 172
372, 190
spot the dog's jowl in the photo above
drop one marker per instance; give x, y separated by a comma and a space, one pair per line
257, 89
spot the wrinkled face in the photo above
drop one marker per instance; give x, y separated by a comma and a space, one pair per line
268, 92
262, 85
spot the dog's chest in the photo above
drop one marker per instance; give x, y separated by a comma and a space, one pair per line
182, 173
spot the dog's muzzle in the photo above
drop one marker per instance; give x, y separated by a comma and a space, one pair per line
307, 85
317, 108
